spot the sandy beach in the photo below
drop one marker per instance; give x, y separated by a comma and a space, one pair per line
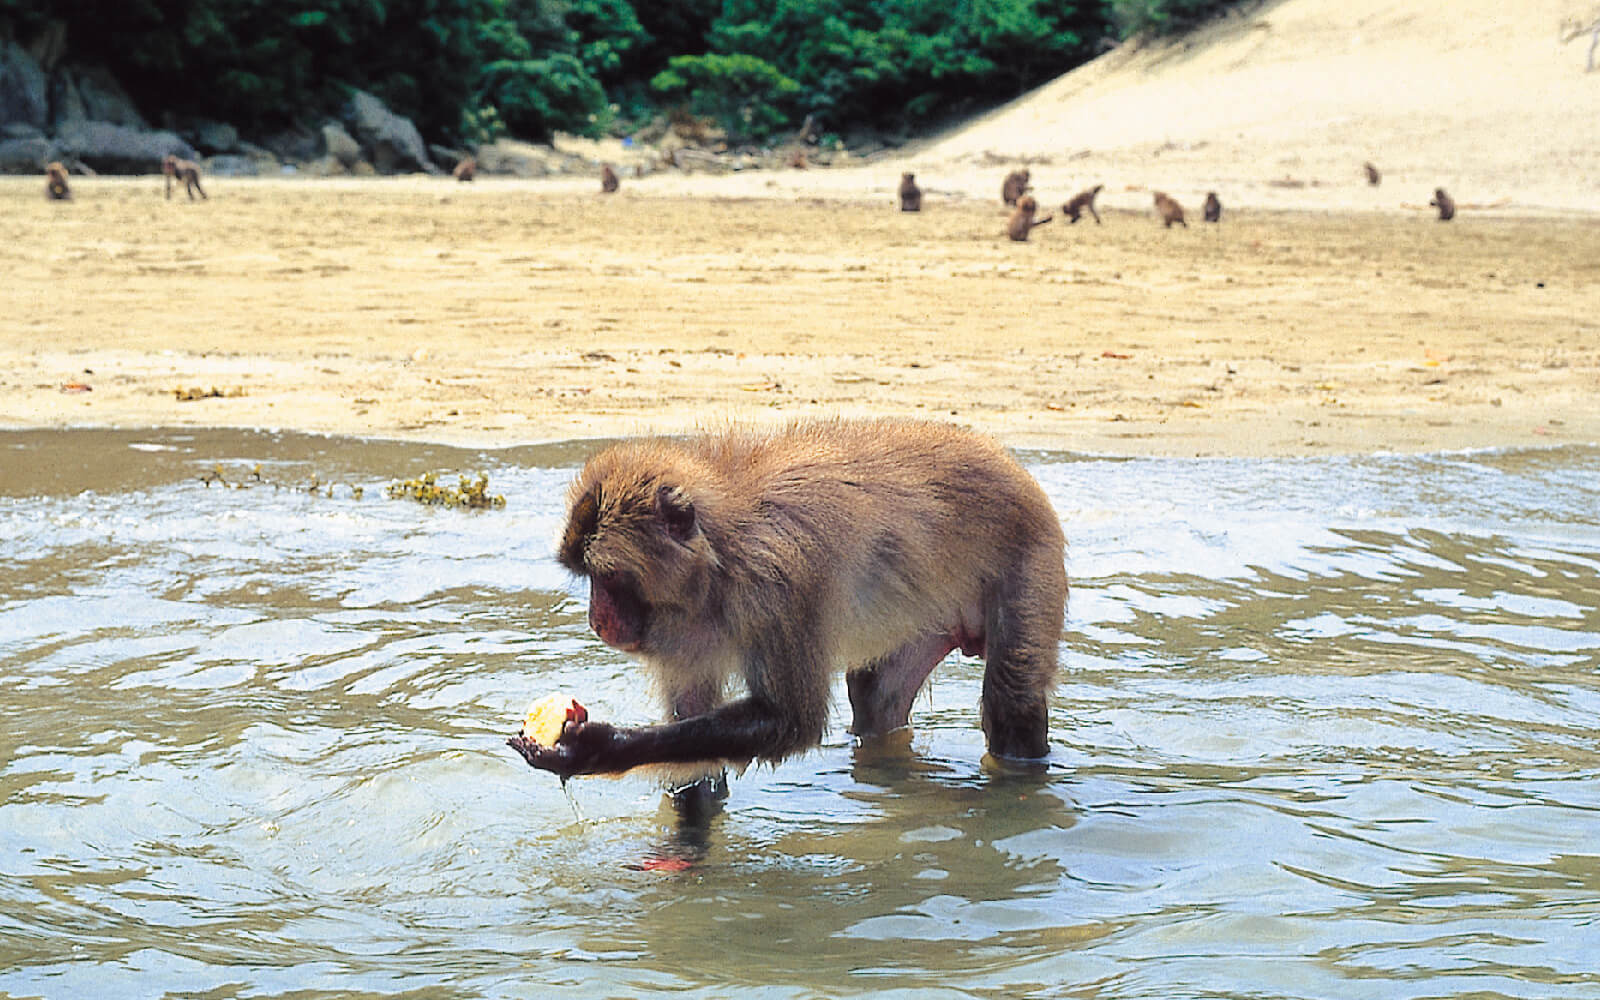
1321, 315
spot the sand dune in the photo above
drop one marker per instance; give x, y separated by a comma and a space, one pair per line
1280, 106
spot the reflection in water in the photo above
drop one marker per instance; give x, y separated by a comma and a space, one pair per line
1326, 728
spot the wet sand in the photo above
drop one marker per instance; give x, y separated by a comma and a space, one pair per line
509, 312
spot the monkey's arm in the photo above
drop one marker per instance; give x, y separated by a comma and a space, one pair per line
736, 732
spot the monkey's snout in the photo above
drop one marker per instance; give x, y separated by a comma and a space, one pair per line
616, 612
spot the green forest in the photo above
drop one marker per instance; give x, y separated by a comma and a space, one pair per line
467, 71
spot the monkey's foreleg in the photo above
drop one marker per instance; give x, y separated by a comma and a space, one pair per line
737, 732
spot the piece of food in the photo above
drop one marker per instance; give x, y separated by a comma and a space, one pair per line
548, 716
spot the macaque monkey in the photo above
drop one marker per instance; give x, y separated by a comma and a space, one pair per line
1444, 203
910, 194
608, 179
1373, 177
797, 159
773, 558
466, 170
187, 172
55, 183
1022, 220
1015, 186
1169, 210
1083, 200
1211, 211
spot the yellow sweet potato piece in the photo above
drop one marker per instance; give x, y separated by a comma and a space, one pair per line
548, 716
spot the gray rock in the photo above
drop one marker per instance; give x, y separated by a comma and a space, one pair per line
231, 165
338, 144
215, 137
294, 144
23, 94
264, 157
66, 104
19, 130
390, 141
25, 156
117, 149
104, 100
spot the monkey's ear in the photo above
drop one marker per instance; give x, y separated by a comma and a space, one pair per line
676, 511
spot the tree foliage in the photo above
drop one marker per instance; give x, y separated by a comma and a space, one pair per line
464, 69
1162, 17
893, 64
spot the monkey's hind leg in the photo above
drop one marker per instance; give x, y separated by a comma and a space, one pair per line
882, 691
1023, 630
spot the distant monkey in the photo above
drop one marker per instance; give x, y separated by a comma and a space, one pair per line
55, 183
1169, 210
1022, 221
608, 179
910, 194
797, 159
1373, 177
186, 172
1081, 202
1444, 203
466, 170
1015, 186
772, 559
1212, 210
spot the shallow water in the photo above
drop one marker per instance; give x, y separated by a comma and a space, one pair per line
1326, 728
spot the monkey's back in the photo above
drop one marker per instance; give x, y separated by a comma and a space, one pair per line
899, 524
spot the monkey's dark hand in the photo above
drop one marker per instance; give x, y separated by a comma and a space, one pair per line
583, 748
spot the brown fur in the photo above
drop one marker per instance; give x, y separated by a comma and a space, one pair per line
1445, 204
910, 194
186, 172
1015, 186
55, 183
1169, 210
1081, 202
1373, 177
1022, 220
608, 179
466, 170
771, 559
1211, 211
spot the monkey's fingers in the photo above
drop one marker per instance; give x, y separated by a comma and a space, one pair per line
543, 758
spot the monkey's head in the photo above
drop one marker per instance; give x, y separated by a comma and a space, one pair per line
1028, 204
169, 164
634, 529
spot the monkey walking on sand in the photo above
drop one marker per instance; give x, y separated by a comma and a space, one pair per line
1022, 221
1015, 186
1170, 211
773, 558
1211, 211
55, 183
186, 172
1081, 202
910, 194
1444, 203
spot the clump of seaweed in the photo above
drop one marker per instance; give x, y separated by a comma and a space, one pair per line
313, 486
470, 493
